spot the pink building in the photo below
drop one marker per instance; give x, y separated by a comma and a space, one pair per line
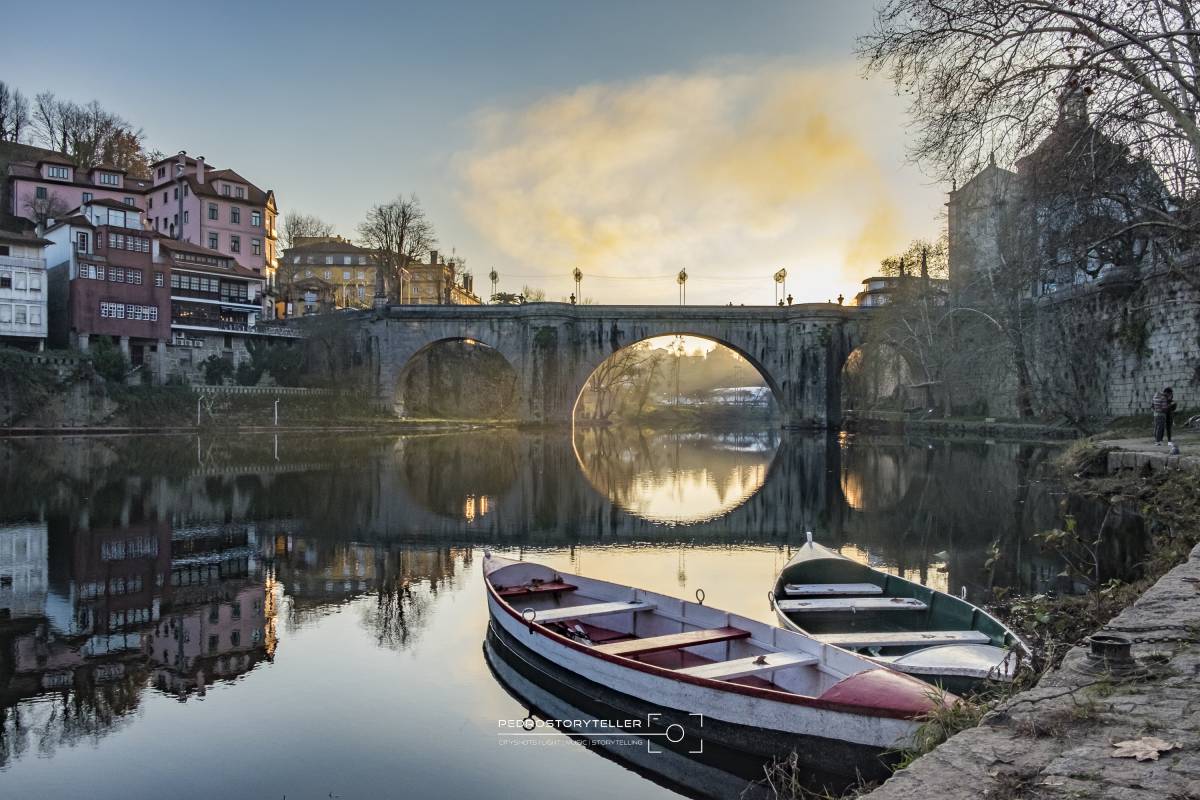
217, 209
48, 185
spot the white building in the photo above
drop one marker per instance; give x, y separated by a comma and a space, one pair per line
24, 570
23, 290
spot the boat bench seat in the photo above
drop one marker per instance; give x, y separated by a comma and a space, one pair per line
853, 604
745, 667
672, 641
806, 589
545, 587
595, 610
903, 638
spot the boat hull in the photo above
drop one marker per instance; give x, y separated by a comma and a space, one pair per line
754, 721
743, 749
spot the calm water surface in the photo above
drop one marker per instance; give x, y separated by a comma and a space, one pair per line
303, 615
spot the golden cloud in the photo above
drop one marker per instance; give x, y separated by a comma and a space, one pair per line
730, 174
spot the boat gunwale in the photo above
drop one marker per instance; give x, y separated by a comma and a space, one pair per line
707, 683
1017, 642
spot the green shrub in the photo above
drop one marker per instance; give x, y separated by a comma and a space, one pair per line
217, 370
107, 360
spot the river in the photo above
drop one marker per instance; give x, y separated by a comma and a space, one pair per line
303, 615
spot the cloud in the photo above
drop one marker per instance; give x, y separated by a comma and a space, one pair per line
731, 174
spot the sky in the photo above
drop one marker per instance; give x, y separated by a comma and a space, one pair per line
628, 139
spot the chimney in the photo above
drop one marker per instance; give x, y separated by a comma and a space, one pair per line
433, 257
200, 169
180, 162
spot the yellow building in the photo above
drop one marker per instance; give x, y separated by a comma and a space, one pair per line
439, 283
347, 269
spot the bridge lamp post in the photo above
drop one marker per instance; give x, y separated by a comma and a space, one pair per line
681, 279
780, 284
495, 276
578, 276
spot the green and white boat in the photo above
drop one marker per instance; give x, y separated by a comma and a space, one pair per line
929, 634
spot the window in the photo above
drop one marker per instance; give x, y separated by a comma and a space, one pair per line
41, 193
91, 271
213, 642
57, 172
212, 211
235, 215
345, 274
241, 192
235, 243
175, 193
235, 638
185, 217
295, 259
362, 292
256, 246
362, 259
346, 259
20, 315
164, 197
81, 242
87, 197
256, 219
162, 171
328, 275
308, 273
328, 259
110, 179
5, 250
213, 241
35, 315
5, 313
158, 279
20, 281
5, 280
129, 201
35, 283
116, 274
134, 276
150, 202
112, 310
235, 610
225, 189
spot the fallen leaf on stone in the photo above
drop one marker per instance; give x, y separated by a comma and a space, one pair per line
1146, 748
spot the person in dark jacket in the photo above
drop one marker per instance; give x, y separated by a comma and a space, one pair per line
1163, 406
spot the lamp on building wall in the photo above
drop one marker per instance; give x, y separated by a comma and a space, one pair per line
681, 279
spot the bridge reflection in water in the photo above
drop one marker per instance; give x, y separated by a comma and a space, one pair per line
140, 568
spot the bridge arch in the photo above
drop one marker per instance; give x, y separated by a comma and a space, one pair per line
456, 377
586, 372
554, 347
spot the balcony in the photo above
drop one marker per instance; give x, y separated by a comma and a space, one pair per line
25, 263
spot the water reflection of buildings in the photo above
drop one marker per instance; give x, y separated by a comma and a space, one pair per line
320, 576
91, 612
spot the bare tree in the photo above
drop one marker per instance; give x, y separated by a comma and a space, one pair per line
90, 135
41, 209
622, 383
14, 114
399, 233
296, 224
986, 76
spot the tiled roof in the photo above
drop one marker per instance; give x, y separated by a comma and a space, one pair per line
74, 219
27, 170
331, 246
103, 201
254, 195
235, 268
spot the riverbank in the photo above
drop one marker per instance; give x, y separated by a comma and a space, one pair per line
1059, 738
895, 422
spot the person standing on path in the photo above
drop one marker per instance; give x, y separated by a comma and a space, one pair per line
1163, 406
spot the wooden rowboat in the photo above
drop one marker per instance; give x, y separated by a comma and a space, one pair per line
920, 631
708, 674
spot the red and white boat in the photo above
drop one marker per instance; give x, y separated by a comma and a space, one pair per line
720, 677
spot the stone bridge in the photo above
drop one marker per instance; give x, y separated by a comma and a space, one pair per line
554, 347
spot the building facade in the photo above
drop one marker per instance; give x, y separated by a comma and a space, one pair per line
216, 209
323, 273
47, 185
106, 280
215, 308
23, 309
439, 282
